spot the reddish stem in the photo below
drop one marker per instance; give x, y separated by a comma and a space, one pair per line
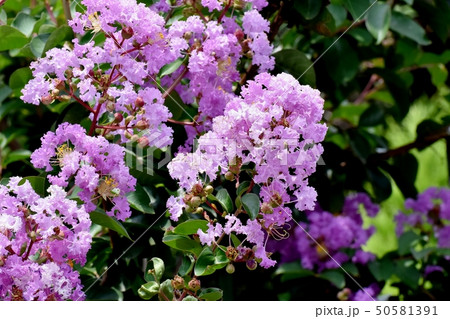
175, 83
181, 122
222, 14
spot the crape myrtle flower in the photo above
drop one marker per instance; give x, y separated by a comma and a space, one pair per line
96, 165
40, 240
274, 124
432, 207
116, 82
324, 234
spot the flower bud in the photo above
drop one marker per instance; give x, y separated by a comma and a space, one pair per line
47, 99
199, 210
195, 201
209, 190
251, 264
64, 98
187, 35
118, 117
128, 135
178, 282
139, 102
127, 32
344, 294
134, 137
55, 92
128, 119
141, 125
194, 284
110, 106
229, 176
230, 268
197, 189
32, 235
239, 34
238, 4
143, 141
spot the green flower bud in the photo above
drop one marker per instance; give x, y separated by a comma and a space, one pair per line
195, 201
230, 268
229, 176
209, 190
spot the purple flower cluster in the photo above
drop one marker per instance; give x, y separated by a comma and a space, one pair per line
40, 240
432, 207
97, 166
118, 82
274, 125
326, 234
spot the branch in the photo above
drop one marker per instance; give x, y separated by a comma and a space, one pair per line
419, 143
66, 6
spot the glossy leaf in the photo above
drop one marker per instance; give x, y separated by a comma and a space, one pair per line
148, 290
205, 259
38, 183
210, 294
18, 79
183, 243
140, 200
335, 276
378, 20
24, 23
297, 64
166, 289
187, 265
171, 67
190, 227
309, 9
11, 38
58, 37
100, 218
357, 8
37, 44
224, 199
409, 28
155, 269
190, 298
251, 204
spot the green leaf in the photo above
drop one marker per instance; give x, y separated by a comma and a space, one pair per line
183, 243
292, 270
148, 290
37, 44
348, 65
24, 23
242, 188
251, 205
37, 183
171, 67
335, 276
378, 20
224, 199
15, 156
407, 273
186, 265
406, 242
382, 269
439, 74
18, 79
190, 227
372, 116
409, 28
58, 37
166, 289
357, 7
297, 64
338, 13
309, 9
190, 298
210, 294
404, 172
3, 17
157, 265
140, 200
205, 259
100, 218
